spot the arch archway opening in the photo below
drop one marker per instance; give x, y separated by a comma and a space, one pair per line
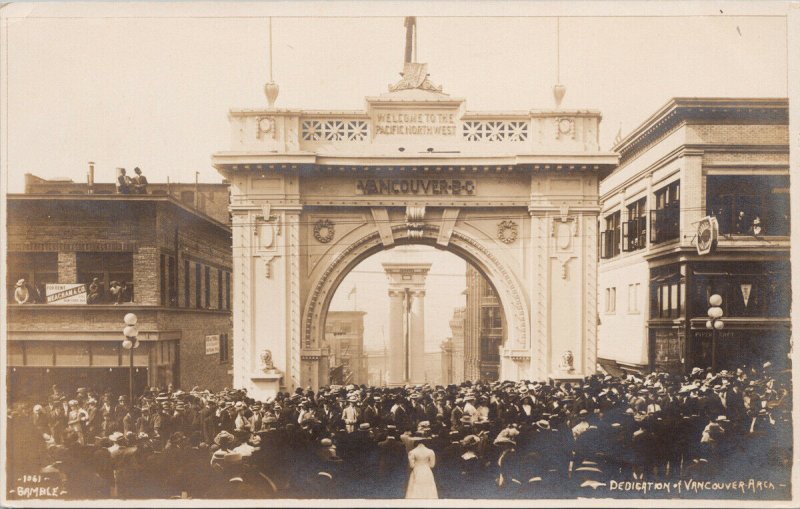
464, 328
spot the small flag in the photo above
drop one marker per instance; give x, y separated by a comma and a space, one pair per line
618, 137
746, 287
352, 292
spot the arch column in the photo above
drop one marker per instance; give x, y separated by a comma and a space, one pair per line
407, 321
417, 337
397, 350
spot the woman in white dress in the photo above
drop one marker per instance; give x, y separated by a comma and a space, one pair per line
421, 460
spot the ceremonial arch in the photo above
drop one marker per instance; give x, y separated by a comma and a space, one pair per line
313, 193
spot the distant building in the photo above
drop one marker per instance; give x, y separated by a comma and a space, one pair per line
453, 349
172, 260
726, 159
344, 339
483, 329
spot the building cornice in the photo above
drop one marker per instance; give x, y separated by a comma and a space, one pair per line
680, 110
117, 198
699, 149
263, 161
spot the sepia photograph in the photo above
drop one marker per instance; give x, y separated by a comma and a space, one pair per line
371, 254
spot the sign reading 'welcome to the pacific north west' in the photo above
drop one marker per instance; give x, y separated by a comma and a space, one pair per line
422, 187
415, 123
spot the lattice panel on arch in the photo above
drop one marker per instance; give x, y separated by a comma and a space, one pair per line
334, 130
495, 130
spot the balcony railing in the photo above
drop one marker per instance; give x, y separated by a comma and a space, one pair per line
665, 224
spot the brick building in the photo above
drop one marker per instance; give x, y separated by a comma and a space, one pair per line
692, 161
344, 339
172, 258
483, 328
453, 349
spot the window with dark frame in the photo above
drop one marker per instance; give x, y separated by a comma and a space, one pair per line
665, 218
163, 279
37, 269
197, 286
107, 267
186, 279
634, 230
173, 281
223, 347
207, 287
667, 293
610, 237
748, 289
219, 289
749, 204
228, 290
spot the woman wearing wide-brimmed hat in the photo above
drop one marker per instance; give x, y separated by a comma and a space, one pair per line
21, 293
421, 483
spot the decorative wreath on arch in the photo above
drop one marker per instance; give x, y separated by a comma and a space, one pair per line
324, 231
507, 231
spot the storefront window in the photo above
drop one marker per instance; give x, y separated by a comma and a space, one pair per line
747, 289
749, 205
668, 292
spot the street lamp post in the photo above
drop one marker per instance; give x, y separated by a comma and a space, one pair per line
130, 342
714, 323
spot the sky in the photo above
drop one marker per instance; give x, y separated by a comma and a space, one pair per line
150, 85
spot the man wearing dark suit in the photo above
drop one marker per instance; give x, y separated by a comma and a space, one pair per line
123, 182
392, 465
139, 182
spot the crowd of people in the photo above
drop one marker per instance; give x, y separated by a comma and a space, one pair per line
472, 440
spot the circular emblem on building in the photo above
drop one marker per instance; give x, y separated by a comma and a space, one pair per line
507, 231
266, 126
566, 127
323, 230
706, 235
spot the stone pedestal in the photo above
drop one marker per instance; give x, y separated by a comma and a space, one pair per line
267, 384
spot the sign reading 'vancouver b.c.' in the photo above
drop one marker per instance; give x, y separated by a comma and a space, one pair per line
423, 187
415, 123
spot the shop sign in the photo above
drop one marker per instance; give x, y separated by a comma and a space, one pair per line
410, 186
65, 293
707, 232
415, 123
667, 346
212, 344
